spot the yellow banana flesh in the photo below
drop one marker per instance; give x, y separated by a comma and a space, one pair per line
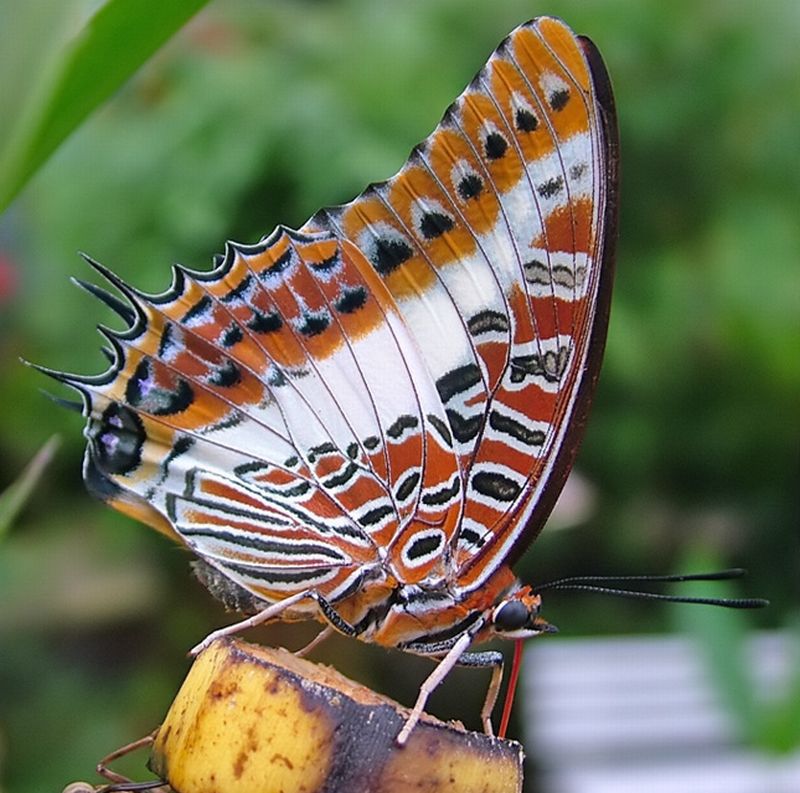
249, 719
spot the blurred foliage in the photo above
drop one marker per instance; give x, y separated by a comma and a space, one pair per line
259, 113
770, 723
17, 494
78, 77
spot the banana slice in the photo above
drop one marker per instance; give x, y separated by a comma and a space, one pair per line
249, 719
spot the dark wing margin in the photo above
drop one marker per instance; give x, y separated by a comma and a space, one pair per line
568, 451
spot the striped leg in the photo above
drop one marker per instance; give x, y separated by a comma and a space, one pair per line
433, 680
488, 659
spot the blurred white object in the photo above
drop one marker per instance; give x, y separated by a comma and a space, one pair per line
576, 503
634, 715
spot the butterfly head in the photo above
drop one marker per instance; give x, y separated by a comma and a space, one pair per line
516, 616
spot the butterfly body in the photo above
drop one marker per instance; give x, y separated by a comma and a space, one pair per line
369, 419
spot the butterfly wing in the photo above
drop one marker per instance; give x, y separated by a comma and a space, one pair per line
496, 243
383, 395
266, 414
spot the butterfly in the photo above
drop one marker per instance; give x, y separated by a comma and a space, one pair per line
367, 421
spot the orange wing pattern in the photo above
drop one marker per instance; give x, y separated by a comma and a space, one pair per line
494, 241
391, 395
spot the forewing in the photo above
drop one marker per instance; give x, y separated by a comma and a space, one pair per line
495, 242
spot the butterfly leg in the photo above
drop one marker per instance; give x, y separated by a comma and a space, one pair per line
257, 619
336, 620
489, 659
445, 665
317, 640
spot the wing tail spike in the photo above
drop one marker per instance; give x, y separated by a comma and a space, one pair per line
133, 295
119, 307
79, 383
67, 404
55, 374
109, 275
114, 354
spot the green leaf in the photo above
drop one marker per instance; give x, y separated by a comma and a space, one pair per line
14, 498
721, 635
771, 724
781, 733
115, 41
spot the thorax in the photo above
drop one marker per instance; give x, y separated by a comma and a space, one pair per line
419, 614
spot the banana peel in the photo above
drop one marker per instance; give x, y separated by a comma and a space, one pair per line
250, 719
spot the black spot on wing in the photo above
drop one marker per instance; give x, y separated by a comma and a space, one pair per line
407, 486
469, 536
442, 429
142, 392
327, 265
515, 429
434, 224
278, 266
226, 376
167, 341
550, 365
295, 491
375, 515
238, 291
275, 377
525, 120
198, 310
115, 441
389, 253
551, 187
495, 485
233, 335
265, 323
577, 170
558, 99
495, 145
443, 495
537, 272
180, 446
266, 544
245, 469
272, 576
424, 546
401, 424
341, 477
464, 429
486, 321
457, 381
351, 299
321, 450
314, 323
470, 186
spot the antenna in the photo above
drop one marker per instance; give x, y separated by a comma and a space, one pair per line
596, 583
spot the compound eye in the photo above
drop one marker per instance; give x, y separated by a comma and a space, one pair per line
511, 616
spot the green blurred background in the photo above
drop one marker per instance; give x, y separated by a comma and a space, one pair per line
258, 113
